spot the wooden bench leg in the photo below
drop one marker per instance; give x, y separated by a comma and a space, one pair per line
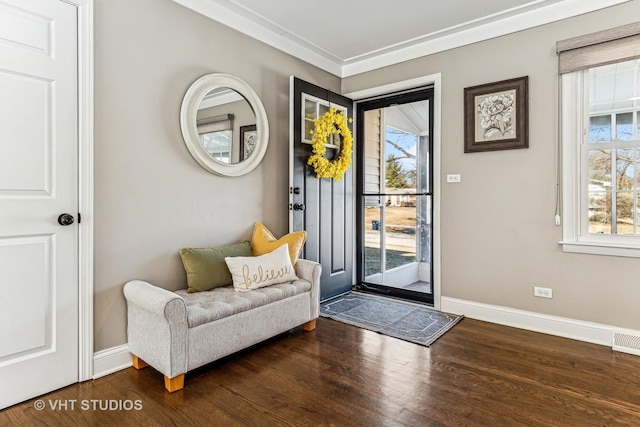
174, 384
138, 363
310, 325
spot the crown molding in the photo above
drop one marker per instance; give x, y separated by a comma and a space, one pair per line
280, 41
458, 36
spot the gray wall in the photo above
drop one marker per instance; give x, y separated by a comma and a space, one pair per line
151, 197
498, 232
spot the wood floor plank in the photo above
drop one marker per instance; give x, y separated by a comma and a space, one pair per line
477, 374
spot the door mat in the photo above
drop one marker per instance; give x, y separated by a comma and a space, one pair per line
410, 322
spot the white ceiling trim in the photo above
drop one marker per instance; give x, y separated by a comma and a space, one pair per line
272, 38
427, 45
453, 39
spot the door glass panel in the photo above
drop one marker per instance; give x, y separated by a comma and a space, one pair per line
310, 114
373, 250
396, 200
310, 108
308, 127
314, 108
400, 200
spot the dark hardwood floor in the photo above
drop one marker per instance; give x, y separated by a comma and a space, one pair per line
477, 374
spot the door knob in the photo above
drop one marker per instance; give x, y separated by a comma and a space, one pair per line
298, 207
65, 219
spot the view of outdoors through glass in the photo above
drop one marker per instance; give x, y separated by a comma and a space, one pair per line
396, 210
613, 148
218, 144
400, 206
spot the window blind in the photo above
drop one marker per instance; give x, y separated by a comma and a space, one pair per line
601, 48
215, 124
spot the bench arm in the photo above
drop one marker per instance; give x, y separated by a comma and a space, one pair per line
157, 327
310, 271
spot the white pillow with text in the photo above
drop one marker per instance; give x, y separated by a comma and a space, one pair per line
265, 270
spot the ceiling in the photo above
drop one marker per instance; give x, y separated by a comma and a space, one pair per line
348, 37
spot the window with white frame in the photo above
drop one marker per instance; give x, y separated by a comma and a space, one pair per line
313, 109
600, 99
216, 136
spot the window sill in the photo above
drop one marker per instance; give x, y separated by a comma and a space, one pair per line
599, 248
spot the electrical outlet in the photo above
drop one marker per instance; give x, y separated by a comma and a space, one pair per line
542, 292
453, 177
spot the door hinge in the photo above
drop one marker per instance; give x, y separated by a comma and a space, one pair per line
79, 218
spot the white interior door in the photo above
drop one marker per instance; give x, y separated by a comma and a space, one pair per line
38, 182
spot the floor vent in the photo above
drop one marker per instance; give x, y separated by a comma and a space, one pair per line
626, 342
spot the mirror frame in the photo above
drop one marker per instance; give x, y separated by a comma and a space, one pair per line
188, 116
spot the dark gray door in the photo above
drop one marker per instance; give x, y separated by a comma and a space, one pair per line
322, 207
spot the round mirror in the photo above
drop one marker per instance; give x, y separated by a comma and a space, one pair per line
224, 125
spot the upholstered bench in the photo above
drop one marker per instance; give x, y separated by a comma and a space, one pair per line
176, 332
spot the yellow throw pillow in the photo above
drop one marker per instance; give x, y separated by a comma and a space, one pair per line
264, 242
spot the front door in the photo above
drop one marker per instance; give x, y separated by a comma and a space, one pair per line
395, 195
38, 183
322, 207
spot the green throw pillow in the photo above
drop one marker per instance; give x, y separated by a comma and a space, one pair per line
206, 268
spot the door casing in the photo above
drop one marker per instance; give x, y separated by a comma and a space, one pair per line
85, 186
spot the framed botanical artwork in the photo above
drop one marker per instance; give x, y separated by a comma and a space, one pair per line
248, 138
496, 116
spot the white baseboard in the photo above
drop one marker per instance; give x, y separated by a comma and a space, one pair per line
111, 360
114, 359
553, 325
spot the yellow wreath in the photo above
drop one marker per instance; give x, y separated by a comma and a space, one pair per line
331, 122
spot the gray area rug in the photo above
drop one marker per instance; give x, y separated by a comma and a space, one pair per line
411, 322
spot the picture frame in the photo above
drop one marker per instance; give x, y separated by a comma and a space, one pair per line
248, 138
496, 116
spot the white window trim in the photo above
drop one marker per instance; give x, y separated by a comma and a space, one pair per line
573, 128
